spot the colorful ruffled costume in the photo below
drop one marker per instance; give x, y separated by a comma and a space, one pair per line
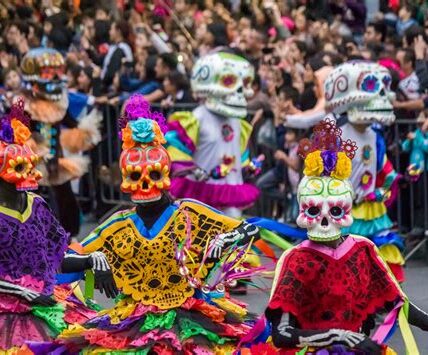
159, 309
374, 180
174, 286
214, 144
208, 146
32, 248
47, 103
350, 284
359, 93
58, 139
328, 289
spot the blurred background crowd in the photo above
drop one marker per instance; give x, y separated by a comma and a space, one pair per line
116, 48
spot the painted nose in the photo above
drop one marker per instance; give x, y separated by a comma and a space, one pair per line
240, 90
324, 222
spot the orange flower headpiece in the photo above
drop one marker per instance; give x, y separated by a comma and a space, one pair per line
326, 154
14, 126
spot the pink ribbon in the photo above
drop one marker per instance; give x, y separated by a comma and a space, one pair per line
383, 331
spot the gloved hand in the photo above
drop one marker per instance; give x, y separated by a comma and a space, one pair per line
200, 174
104, 280
34, 297
243, 233
369, 346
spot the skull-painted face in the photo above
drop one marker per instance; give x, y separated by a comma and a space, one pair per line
43, 71
17, 166
224, 80
145, 172
325, 207
363, 90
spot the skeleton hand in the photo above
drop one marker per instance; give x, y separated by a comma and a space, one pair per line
332, 336
200, 174
104, 280
31, 296
243, 233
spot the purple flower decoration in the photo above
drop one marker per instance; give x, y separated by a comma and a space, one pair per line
6, 133
329, 158
138, 107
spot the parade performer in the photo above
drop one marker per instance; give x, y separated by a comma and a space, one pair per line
359, 95
328, 289
209, 145
32, 248
171, 261
60, 139
416, 143
360, 92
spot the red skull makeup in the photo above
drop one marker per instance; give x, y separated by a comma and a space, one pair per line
17, 166
145, 172
144, 162
17, 160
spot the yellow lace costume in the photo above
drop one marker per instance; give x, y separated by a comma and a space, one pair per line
159, 310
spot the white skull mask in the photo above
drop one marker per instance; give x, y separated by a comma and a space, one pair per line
224, 80
325, 205
363, 90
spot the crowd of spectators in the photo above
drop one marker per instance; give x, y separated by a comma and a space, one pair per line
116, 48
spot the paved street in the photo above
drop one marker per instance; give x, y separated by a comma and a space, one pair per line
416, 287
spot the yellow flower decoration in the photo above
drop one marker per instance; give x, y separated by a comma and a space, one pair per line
127, 140
343, 167
313, 164
21, 133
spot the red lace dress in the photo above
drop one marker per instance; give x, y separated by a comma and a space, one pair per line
326, 288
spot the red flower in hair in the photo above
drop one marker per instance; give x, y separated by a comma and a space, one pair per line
349, 148
305, 147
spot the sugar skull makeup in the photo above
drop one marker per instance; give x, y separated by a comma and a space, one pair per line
224, 80
145, 172
43, 69
17, 160
17, 166
145, 164
363, 90
325, 195
325, 207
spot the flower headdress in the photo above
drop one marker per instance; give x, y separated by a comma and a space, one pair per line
14, 125
140, 125
327, 154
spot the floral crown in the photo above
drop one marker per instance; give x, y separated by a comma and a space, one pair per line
140, 125
14, 125
326, 154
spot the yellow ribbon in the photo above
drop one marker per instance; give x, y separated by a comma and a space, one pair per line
409, 340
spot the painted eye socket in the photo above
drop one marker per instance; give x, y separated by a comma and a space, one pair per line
337, 212
229, 80
387, 82
135, 176
155, 175
370, 84
312, 211
19, 168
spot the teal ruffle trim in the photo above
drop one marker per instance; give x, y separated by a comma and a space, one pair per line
369, 228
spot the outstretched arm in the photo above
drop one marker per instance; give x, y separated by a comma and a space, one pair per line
30, 296
285, 334
242, 234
